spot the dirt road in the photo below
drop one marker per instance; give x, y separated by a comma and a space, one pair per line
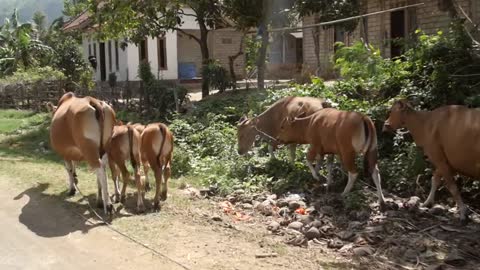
29, 240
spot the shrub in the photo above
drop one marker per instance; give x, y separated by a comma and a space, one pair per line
217, 76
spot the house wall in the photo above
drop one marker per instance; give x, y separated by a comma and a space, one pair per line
189, 50
427, 17
225, 43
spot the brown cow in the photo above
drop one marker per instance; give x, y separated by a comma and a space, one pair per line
157, 149
81, 129
267, 124
449, 138
125, 145
331, 131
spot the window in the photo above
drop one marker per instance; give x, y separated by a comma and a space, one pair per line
95, 49
89, 49
162, 53
143, 51
226, 41
110, 56
117, 67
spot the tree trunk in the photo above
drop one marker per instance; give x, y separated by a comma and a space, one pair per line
205, 56
262, 54
231, 62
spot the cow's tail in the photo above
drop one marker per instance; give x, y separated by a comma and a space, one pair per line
163, 130
133, 161
370, 157
100, 116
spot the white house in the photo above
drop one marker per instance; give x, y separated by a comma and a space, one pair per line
173, 56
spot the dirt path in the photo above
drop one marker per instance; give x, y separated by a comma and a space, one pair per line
39, 234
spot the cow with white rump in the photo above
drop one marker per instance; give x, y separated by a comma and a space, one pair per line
331, 131
81, 130
449, 137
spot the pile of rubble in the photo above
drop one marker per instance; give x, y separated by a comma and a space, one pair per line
406, 233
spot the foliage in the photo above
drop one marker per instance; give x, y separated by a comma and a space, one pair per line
160, 97
251, 51
330, 10
217, 76
33, 75
20, 46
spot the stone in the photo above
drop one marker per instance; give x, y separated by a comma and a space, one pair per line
317, 223
273, 226
296, 225
231, 199
246, 206
281, 203
265, 208
363, 215
312, 233
216, 218
412, 203
305, 219
335, 243
293, 205
455, 259
284, 211
272, 197
239, 192
437, 210
363, 251
345, 235
327, 210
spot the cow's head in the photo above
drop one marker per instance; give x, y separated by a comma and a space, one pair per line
246, 134
396, 118
51, 108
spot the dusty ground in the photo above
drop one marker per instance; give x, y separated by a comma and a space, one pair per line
42, 229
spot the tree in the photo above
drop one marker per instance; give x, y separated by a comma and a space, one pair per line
135, 20
39, 20
262, 14
20, 47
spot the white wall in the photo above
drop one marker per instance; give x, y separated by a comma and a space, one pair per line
189, 22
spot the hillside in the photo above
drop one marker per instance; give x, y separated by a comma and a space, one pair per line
26, 8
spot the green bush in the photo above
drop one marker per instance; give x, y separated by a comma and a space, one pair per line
33, 75
217, 76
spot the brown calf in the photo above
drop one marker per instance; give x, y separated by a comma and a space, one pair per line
331, 131
125, 145
81, 129
449, 138
157, 149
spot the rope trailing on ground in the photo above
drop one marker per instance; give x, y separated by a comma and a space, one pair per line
110, 226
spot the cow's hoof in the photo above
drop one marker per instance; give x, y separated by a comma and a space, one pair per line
141, 209
382, 206
156, 207
464, 218
123, 199
163, 197
71, 192
116, 199
99, 204
426, 204
109, 209
147, 186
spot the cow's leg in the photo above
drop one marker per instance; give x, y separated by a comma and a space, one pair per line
126, 179
271, 149
158, 181
72, 180
436, 181
146, 168
139, 182
330, 159
292, 149
166, 175
377, 180
318, 162
348, 160
114, 171
103, 184
452, 187
311, 155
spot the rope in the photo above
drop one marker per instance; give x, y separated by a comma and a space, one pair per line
266, 135
109, 226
